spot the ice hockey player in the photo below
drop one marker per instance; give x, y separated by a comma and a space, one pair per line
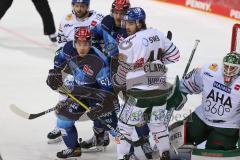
85, 68
142, 75
80, 16
216, 119
109, 28
108, 31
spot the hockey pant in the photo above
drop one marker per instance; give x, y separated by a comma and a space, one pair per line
217, 138
130, 116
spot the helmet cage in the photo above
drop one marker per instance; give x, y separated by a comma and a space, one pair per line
120, 5
83, 34
231, 69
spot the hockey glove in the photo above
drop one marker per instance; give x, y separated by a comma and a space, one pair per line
177, 99
54, 79
119, 79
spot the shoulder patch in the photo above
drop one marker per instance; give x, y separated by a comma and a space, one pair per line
213, 67
122, 57
69, 17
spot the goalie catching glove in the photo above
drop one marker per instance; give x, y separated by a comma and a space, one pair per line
177, 99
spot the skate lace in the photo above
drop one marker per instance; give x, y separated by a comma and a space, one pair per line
67, 151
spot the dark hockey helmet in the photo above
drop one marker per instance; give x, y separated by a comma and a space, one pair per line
120, 5
87, 2
83, 34
231, 64
135, 14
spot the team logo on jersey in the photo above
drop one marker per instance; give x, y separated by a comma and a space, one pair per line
94, 23
222, 87
154, 38
87, 70
99, 17
139, 63
126, 44
220, 98
69, 17
213, 67
145, 42
237, 87
67, 25
122, 57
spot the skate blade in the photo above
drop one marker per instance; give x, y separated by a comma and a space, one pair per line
94, 149
55, 141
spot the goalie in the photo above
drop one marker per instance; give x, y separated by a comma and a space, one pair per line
216, 120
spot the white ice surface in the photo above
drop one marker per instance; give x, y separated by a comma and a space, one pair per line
26, 55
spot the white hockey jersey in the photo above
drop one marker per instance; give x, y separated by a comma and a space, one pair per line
70, 23
150, 50
220, 105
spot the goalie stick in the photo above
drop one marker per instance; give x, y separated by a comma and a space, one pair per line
170, 112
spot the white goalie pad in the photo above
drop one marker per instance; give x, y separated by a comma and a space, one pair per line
177, 134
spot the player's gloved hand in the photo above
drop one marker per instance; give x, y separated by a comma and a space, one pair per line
54, 79
177, 99
120, 77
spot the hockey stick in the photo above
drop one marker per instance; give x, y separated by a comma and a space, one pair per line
170, 112
169, 35
29, 116
137, 143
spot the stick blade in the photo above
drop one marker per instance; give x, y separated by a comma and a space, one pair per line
19, 112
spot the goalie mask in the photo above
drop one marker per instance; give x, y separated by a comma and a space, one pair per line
231, 64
